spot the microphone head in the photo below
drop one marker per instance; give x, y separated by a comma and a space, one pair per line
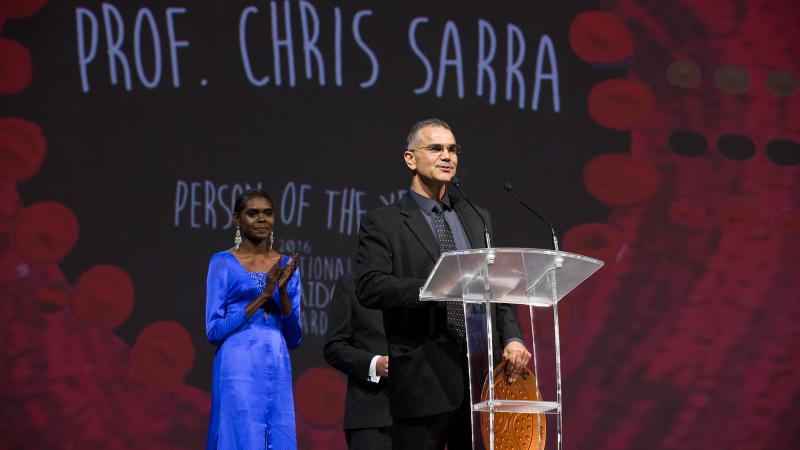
508, 186
456, 182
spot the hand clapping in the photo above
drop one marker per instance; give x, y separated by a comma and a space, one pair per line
288, 271
279, 276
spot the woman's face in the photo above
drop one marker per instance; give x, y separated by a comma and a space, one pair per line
256, 219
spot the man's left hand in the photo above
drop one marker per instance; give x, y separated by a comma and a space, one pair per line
517, 356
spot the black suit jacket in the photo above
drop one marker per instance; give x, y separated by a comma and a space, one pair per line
396, 252
355, 336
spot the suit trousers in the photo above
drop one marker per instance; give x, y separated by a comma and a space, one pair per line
452, 429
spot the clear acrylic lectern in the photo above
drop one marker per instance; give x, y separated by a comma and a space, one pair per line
533, 277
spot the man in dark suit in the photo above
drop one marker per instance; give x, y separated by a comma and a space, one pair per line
398, 246
356, 345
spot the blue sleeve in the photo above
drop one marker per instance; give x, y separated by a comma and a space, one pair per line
290, 324
220, 325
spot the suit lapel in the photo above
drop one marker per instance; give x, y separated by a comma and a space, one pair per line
472, 224
419, 226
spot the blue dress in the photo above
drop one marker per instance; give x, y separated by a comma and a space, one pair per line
251, 395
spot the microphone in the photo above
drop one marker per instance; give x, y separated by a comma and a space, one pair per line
457, 183
509, 188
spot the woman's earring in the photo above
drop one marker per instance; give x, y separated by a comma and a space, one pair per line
237, 239
271, 239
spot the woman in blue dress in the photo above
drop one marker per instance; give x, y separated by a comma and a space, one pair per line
253, 317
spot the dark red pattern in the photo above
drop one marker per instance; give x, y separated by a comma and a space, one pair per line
16, 66
689, 340
620, 104
68, 383
103, 295
617, 179
162, 355
598, 240
601, 37
44, 232
319, 397
22, 149
17, 9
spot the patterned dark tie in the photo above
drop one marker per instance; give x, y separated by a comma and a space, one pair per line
455, 310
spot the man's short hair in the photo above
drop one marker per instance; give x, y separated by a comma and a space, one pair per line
432, 122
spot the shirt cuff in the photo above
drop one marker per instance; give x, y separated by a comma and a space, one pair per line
373, 377
514, 340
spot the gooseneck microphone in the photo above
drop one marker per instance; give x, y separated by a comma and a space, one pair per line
510, 190
457, 183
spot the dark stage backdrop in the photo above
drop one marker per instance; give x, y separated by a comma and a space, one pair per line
661, 137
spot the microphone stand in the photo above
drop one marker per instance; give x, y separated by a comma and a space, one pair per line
557, 263
490, 255
559, 260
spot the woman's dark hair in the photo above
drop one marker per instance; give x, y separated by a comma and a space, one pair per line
247, 195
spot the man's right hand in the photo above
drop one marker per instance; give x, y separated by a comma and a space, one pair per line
382, 366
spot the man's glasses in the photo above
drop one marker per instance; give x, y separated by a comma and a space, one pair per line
437, 149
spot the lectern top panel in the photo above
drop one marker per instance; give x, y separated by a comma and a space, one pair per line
530, 276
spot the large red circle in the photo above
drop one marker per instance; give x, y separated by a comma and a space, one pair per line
617, 179
104, 295
600, 37
619, 103
162, 355
320, 396
598, 240
45, 232
17, 9
22, 149
16, 67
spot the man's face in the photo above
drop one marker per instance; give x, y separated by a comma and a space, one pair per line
432, 166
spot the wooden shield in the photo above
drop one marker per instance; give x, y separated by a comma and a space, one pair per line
513, 431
